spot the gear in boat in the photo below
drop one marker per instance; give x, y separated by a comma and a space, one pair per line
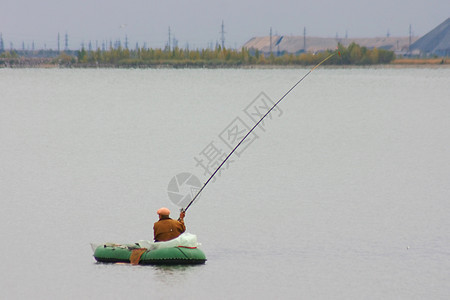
181, 250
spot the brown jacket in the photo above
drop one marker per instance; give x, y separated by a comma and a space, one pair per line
166, 229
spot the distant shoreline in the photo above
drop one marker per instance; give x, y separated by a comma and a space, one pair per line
47, 63
351, 56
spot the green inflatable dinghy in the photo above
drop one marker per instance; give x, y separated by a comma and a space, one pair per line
182, 250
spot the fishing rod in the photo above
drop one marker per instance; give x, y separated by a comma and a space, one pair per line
256, 125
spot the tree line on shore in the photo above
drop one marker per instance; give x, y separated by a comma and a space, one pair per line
354, 54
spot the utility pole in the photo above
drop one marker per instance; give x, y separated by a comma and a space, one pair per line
270, 40
304, 39
2, 45
174, 42
222, 35
410, 33
169, 40
66, 42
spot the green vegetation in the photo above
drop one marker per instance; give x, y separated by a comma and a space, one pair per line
177, 57
184, 58
8, 58
9, 54
357, 55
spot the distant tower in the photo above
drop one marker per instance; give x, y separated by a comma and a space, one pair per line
346, 34
169, 40
90, 46
32, 46
410, 34
66, 42
59, 43
304, 39
388, 34
126, 41
2, 45
174, 42
270, 40
222, 35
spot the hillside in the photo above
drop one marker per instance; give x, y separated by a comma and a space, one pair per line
296, 44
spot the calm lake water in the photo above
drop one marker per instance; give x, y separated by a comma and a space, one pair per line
343, 194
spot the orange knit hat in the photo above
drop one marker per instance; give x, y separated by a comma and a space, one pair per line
163, 211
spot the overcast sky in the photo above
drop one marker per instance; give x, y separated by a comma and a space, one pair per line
199, 22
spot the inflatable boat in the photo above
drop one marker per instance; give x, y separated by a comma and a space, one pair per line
181, 250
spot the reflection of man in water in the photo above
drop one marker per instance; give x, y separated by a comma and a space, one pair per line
166, 228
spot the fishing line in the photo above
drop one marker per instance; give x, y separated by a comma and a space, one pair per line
256, 125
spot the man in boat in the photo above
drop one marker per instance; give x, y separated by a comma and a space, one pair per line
166, 228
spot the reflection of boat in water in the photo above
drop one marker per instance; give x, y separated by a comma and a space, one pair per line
181, 250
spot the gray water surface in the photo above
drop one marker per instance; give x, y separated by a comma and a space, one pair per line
344, 195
